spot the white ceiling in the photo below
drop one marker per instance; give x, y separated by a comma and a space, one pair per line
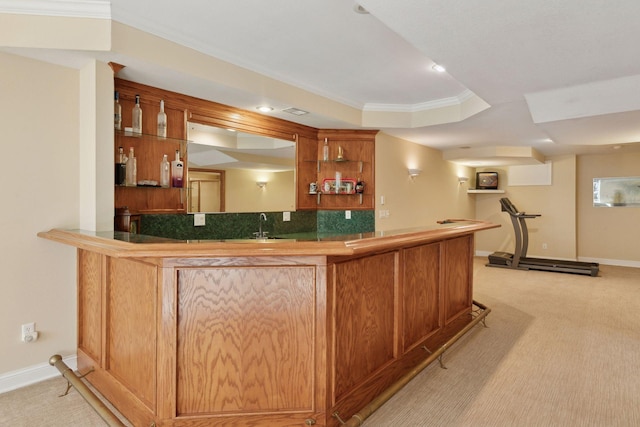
556, 76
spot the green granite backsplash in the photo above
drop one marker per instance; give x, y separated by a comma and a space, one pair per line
221, 226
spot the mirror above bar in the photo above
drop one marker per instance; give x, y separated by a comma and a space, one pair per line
231, 171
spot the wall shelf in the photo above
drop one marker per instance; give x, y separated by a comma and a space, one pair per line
471, 191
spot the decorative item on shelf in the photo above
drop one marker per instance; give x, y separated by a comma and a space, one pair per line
165, 171
338, 182
340, 154
177, 171
414, 172
345, 186
313, 188
360, 186
132, 170
117, 111
121, 168
462, 179
162, 121
325, 150
136, 116
261, 184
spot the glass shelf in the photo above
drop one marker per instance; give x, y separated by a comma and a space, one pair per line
319, 195
127, 134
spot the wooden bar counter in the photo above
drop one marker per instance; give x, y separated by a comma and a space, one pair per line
279, 332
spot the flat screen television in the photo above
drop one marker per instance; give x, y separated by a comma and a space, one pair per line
487, 180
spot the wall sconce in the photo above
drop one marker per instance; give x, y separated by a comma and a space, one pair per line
462, 179
414, 172
261, 184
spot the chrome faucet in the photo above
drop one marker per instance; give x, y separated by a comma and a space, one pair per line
261, 234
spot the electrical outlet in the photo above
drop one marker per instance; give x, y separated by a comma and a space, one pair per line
544, 246
198, 220
29, 333
286, 216
347, 214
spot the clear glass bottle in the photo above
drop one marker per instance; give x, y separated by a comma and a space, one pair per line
162, 121
325, 150
177, 169
117, 111
164, 171
136, 122
132, 171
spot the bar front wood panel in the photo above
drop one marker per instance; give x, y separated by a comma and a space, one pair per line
245, 340
131, 331
90, 303
364, 319
457, 259
421, 293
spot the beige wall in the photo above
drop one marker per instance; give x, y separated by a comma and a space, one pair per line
434, 195
556, 203
40, 127
243, 195
607, 233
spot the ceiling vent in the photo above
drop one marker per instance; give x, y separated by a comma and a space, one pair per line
295, 111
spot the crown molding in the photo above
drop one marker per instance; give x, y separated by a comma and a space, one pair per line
69, 8
423, 106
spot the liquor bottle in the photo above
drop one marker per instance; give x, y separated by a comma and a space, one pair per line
131, 169
325, 151
117, 112
164, 171
136, 122
162, 121
177, 169
121, 168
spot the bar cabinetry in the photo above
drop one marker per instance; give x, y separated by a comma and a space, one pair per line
276, 334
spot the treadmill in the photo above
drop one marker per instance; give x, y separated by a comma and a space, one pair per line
518, 260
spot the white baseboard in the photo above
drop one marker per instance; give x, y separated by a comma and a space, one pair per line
603, 261
33, 374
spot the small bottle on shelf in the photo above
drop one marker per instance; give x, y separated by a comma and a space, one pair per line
177, 169
162, 121
117, 111
121, 168
325, 150
164, 172
136, 122
132, 171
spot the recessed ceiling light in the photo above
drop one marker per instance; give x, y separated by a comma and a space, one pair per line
265, 108
439, 68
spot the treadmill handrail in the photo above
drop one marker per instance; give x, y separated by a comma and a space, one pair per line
511, 209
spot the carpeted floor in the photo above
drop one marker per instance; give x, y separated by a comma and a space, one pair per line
559, 350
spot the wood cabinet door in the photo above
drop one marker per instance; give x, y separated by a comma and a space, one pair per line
245, 340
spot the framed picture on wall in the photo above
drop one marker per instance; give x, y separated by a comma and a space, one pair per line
487, 180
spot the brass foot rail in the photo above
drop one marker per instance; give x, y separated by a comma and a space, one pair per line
105, 413
358, 418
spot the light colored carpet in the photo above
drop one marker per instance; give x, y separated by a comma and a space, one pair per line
559, 350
